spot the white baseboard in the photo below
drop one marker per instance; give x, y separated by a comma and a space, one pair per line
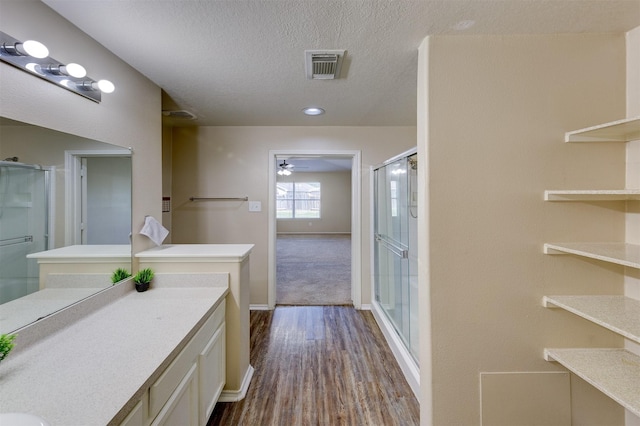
237, 395
259, 307
365, 307
408, 366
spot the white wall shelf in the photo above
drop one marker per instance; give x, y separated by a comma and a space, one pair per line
617, 131
593, 195
615, 372
619, 253
619, 314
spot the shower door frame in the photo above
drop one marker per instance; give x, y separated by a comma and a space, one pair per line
49, 205
405, 359
50, 196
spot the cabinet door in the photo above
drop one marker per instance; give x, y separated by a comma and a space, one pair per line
212, 373
136, 417
182, 407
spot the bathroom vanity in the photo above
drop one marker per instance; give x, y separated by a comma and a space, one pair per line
66, 276
97, 258
213, 258
164, 356
142, 359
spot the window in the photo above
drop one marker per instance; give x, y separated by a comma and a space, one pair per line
298, 200
393, 195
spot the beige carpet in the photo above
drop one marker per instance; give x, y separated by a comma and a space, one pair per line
313, 269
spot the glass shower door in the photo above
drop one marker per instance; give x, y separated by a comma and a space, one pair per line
23, 227
393, 251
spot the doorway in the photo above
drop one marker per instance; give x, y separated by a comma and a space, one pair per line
276, 159
99, 198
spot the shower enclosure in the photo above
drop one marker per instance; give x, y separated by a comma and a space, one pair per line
395, 254
24, 226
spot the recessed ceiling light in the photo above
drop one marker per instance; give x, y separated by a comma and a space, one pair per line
313, 111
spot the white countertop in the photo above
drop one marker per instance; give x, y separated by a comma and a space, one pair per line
87, 372
95, 251
197, 252
20, 312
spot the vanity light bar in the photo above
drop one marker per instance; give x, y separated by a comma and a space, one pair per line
33, 57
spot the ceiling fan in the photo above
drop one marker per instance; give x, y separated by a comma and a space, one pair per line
284, 165
285, 169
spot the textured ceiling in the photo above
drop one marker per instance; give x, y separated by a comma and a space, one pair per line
242, 62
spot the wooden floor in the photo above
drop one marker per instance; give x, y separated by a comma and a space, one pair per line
326, 365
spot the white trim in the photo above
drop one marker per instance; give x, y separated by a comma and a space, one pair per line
372, 219
237, 395
356, 209
259, 307
72, 211
408, 366
365, 307
356, 231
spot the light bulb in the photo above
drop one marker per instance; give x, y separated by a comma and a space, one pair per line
73, 70
34, 68
106, 86
33, 48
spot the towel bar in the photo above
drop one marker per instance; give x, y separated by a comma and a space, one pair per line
219, 199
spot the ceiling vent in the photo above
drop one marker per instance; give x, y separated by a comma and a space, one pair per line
183, 114
323, 64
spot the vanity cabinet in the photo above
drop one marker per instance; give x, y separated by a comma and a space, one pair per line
188, 389
137, 416
229, 259
613, 371
182, 407
211, 373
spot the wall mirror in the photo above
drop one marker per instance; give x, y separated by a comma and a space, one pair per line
65, 220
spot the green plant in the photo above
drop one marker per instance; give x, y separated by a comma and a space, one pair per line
6, 344
143, 276
119, 275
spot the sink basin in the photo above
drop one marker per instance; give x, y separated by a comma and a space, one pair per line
22, 419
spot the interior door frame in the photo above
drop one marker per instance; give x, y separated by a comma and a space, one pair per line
73, 189
356, 214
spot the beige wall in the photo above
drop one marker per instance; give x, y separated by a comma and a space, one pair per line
494, 112
234, 161
129, 117
335, 204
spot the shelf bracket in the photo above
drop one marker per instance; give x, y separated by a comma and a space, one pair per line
546, 249
547, 303
547, 356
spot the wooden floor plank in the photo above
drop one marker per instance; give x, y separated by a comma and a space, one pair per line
324, 365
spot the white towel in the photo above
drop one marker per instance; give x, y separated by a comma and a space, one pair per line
154, 230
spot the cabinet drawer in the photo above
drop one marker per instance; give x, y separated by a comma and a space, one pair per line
160, 391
